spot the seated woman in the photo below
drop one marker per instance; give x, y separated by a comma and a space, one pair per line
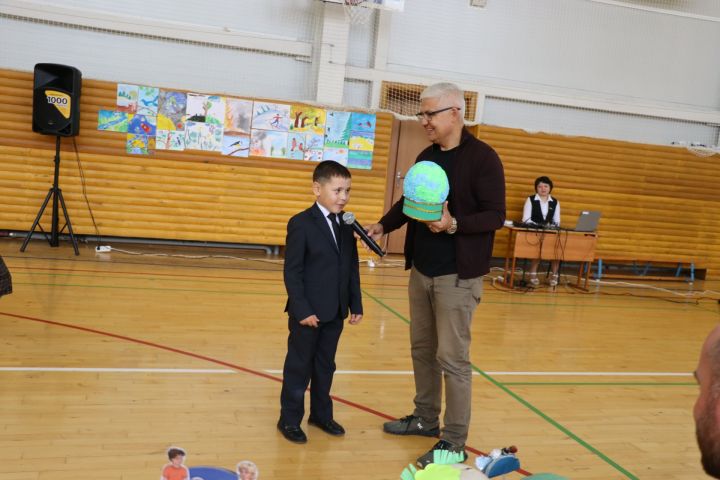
542, 209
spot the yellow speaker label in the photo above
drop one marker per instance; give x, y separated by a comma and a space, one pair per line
60, 100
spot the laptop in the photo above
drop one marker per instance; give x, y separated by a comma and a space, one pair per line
587, 221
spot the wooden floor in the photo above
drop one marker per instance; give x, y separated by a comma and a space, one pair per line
108, 359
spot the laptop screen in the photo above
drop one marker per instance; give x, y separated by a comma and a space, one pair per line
587, 221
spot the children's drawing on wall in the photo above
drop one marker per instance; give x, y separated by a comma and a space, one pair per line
296, 145
337, 130
203, 136
197, 107
171, 110
313, 155
271, 116
127, 97
266, 143
139, 144
359, 159
112, 121
147, 103
215, 111
314, 140
142, 125
236, 145
363, 122
364, 141
175, 469
238, 115
170, 140
304, 118
339, 155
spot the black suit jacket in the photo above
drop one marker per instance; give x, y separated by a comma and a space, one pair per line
319, 279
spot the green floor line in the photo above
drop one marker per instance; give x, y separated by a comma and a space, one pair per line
590, 384
527, 404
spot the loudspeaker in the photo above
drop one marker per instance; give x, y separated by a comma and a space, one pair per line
56, 100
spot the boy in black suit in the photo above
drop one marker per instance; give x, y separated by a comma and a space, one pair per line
322, 279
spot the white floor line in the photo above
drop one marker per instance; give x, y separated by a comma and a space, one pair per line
339, 372
548, 374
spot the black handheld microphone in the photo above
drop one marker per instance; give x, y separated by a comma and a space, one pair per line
349, 219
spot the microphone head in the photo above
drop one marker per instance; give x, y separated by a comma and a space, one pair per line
348, 218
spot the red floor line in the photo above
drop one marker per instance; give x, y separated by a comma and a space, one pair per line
212, 360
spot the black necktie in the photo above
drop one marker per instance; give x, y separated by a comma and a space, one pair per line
335, 227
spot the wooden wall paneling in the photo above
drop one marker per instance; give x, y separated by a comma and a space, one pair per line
189, 195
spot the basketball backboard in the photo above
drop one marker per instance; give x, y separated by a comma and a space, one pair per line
391, 5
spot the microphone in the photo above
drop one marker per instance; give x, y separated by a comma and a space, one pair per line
349, 219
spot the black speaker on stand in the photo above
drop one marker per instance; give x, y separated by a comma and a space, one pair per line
56, 111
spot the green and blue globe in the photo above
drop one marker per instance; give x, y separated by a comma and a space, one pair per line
425, 189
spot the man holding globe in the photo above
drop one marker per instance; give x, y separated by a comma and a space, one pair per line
448, 248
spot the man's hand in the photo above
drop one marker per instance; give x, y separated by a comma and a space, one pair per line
355, 318
311, 321
374, 231
444, 223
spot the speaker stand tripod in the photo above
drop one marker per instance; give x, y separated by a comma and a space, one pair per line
56, 194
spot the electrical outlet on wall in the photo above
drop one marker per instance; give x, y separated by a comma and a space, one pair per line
478, 3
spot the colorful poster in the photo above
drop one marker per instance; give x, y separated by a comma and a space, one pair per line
363, 122
236, 145
337, 129
339, 155
139, 144
313, 155
364, 141
147, 103
238, 115
202, 136
215, 114
271, 116
314, 141
112, 121
127, 97
197, 107
266, 143
359, 159
304, 118
170, 140
142, 125
171, 110
296, 146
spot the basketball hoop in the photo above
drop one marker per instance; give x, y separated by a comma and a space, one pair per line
703, 151
357, 11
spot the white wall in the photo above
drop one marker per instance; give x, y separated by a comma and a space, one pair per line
579, 67
563, 45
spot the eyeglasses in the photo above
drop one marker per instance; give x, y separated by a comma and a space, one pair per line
429, 115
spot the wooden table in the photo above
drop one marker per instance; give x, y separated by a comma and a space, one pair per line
563, 245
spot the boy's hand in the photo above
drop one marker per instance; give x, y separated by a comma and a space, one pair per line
355, 318
444, 223
311, 321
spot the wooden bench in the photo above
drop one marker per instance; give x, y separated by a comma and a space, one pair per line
641, 265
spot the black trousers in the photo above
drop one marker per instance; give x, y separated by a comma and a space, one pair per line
310, 361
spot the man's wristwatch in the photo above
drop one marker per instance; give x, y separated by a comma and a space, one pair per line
453, 227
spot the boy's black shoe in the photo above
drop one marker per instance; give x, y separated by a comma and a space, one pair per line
331, 426
292, 432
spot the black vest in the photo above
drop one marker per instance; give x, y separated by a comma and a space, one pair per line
537, 216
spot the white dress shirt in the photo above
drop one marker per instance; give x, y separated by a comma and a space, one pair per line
527, 210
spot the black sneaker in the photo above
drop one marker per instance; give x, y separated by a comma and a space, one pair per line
429, 457
412, 425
